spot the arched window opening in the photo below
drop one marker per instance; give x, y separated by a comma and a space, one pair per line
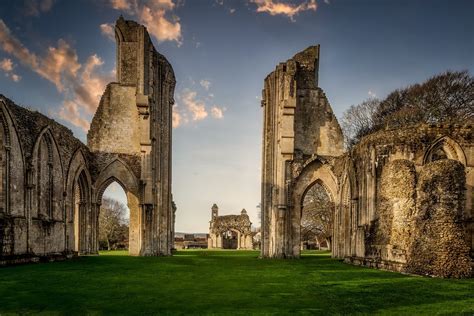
317, 218
438, 154
80, 214
44, 180
3, 178
114, 219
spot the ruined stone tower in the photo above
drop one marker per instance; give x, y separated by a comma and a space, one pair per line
299, 125
134, 121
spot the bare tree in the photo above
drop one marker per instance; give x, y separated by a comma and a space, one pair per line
317, 215
445, 98
358, 121
113, 225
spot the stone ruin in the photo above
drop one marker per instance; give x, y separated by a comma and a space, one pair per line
403, 197
230, 231
52, 184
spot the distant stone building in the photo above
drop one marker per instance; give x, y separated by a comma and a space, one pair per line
51, 184
191, 241
403, 198
230, 231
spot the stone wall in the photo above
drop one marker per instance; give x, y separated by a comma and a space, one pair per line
378, 187
298, 125
51, 184
230, 231
411, 212
439, 243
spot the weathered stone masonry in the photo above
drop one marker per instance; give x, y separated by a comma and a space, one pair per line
299, 128
51, 184
230, 231
403, 197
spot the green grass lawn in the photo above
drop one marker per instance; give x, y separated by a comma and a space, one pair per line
223, 282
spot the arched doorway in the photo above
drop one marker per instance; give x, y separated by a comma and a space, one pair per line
114, 219
119, 172
317, 212
230, 239
81, 215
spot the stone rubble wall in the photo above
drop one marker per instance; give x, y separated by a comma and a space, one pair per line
410, 214
438, 244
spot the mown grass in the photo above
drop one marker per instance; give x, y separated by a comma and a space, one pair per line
223, 282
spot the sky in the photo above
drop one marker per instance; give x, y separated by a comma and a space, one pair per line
56, 56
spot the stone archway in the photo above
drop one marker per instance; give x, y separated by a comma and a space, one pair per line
316, 171
317, 213
230, 239
78, 231
447, 148
118, 171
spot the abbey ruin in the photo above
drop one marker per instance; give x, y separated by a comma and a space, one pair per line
229, 231
403, 198
52, 184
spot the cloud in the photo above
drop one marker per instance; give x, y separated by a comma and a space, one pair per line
178, 118
6, 65
14, 47
217, 112
70, 113
372, 94
60, 63
155, 15
159, 26
80, 84
36, 7
15, 77
197, 108
121, 4
206, 84
192, 108
108, 30
276, 7
90, 85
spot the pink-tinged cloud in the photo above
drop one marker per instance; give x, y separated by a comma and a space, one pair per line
108, 30
70, 113
155, 15
277, 7
121, 4
15, 77
13, 46
196, 108
217, 112
191, 108
60, 64
36, 7
6, 65
178, 118
80, 84
90, 85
